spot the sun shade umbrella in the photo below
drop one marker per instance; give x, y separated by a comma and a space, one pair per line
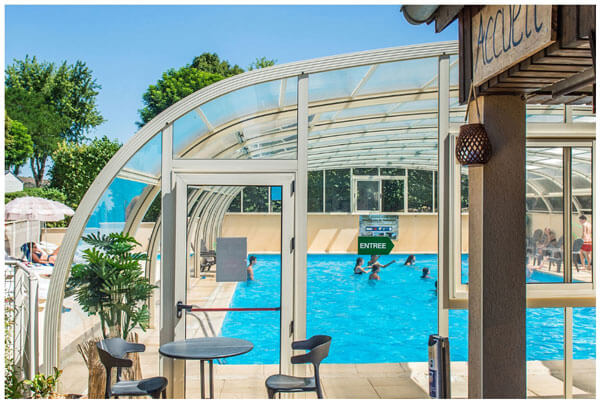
36, 209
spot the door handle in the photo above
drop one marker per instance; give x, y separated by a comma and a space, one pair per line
180, 307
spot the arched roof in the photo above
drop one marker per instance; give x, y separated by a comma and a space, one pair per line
368, 109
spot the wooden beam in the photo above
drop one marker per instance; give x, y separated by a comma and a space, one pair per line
573, 83
444, 16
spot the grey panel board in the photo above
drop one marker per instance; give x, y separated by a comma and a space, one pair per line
231, 259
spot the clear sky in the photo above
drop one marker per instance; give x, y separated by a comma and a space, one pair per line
128, 47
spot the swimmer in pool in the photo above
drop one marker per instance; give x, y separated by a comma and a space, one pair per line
250, 268
373, 262
425, 272
375, 273
410, 260
358, 269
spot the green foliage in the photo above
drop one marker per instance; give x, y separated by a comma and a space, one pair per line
13, 383
315, 192
53, 102
153, 212
173, 86
256, 199
337, 190
420, 191
392, 195
210, 63
111, 284
42, 386
77, 165
464, 191
18, 146
261, 62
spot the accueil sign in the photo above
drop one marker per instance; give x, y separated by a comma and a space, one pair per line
507, 34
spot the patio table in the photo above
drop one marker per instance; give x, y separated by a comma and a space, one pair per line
206, 349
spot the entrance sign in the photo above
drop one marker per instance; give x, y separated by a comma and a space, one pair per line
378, 225
374, 245
231, 259
505, 35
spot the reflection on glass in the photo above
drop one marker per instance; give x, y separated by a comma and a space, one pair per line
544, 215
256, 199
420, 190
337, 190
315, 191
392, 197
582, 219
275, 199
367, 195
256, 122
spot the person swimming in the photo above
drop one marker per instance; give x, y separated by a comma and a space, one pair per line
250, 268
425, 272
410, 260
373, 262
358, 269
375, 272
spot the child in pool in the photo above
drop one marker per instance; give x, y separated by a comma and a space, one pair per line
425, 273
250, 268
358, 269
375, 273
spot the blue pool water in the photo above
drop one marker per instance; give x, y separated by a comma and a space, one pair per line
385, 321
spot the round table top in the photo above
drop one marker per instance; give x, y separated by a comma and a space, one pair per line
206, 348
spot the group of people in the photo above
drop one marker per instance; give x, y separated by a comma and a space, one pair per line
376, 267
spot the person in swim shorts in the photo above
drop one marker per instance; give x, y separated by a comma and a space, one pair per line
586, 248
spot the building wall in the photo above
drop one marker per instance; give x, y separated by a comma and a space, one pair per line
327, 233
12, 183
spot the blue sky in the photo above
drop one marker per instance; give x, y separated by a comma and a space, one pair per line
128, 47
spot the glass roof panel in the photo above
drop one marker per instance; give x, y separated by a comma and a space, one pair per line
147, 159
335, 84
401, 76
241, 122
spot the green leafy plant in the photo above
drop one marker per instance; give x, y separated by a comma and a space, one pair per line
111, 284
43, 386
13, 384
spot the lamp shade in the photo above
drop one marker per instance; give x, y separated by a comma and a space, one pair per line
473, 146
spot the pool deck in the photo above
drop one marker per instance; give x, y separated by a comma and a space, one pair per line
340, 381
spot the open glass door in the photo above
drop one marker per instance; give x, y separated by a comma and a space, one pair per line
236, 260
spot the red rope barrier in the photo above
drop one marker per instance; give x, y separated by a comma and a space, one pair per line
233, 309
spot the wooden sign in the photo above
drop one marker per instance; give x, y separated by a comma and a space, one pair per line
504, 35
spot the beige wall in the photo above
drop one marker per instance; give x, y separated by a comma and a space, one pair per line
332, 233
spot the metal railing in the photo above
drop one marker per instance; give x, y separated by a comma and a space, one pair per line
21, 302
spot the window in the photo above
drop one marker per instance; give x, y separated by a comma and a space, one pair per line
256, 199
420, 191
337, 190
315, 192
392, 195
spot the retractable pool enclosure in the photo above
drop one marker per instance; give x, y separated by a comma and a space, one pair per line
385, 111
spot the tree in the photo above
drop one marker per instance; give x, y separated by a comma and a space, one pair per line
18, 146
210, 63
173, 86
260, 63
44, 193
77, 165
53, 102
43, 122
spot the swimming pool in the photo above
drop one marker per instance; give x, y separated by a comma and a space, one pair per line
385, 321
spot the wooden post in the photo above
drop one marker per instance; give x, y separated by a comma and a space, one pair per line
497, 299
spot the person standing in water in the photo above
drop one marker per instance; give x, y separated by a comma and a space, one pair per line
375, 272
425, 273
358, 269
410, 260
374, 262
250, 268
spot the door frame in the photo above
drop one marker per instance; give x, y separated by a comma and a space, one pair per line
285, 180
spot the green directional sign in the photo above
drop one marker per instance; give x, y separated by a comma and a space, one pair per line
374, 245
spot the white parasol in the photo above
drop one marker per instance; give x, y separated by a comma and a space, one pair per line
36, 209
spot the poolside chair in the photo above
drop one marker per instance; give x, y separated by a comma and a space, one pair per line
556, 254
319, 349
577, 244
112, 354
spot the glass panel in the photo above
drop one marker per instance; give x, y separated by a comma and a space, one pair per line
583, 214
392, 198
256, 122
260, 287
275, 199
236, 204
337, 190
544, 216
148, 158
365, 171
402, 75
256, 199
367, 195
420, 191
335, 83
464, 232
315, 191
545, 352
584, 352
392, 172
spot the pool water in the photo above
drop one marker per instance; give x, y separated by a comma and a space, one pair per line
381, 321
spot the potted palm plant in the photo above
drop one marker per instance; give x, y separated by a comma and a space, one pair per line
112, 285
